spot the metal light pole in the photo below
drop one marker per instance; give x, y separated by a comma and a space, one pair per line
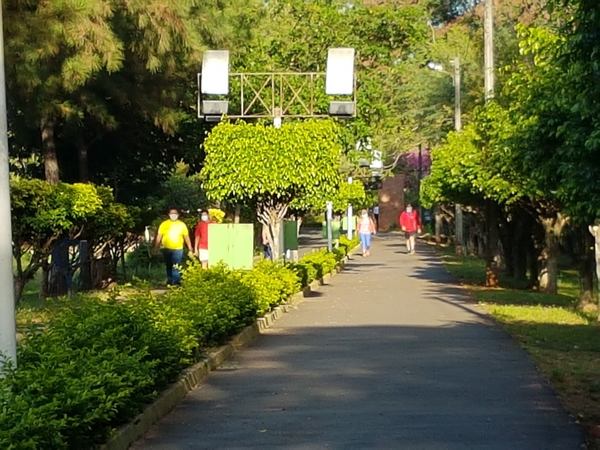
349, 215
456, 80
8, 340
488, 36
458, 213
329, 219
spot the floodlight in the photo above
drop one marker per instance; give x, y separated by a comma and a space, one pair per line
215, 72
214, 107
342, 108
438, 67
340, 71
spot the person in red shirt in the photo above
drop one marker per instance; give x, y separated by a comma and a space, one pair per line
410, 223
201, 238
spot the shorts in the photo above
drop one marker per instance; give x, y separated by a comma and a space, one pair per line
409, 234
203, 254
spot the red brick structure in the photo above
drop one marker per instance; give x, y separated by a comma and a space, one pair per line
391, 201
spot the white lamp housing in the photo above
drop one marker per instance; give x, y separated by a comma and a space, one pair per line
215, 72
340, 71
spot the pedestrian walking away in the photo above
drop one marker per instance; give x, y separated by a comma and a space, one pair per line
410, 222
366, 228
172, 234
201, 238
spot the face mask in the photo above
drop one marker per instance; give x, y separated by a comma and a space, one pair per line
173, 216
408, 210
204, 218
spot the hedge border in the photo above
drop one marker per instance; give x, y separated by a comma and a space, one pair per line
194, 376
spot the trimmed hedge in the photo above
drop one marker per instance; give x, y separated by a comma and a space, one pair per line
98, 362
316, 264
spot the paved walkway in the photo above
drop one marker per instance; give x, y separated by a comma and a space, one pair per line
389, 355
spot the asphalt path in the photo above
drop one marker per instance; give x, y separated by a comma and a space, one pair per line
391, 354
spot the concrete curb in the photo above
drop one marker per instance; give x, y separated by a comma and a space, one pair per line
195, 375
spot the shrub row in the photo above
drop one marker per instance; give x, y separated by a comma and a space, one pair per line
98, 362
316, 264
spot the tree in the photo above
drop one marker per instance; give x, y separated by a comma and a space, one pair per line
349, 194
90, 65
270, 167
43, 213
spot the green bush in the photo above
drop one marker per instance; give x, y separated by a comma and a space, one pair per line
272, 282
93, 368
306, 273
216, 300
96, 363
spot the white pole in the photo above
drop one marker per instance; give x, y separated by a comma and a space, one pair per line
350, 224
329, 225
458, 214
8, 340
488, 27
350, 214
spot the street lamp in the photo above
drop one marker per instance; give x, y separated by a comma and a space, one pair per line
456, 80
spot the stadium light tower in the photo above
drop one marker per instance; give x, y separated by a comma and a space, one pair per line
276, 95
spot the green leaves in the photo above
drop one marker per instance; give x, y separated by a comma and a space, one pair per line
257, 162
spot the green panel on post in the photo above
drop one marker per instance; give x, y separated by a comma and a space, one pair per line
232, 244
290, 235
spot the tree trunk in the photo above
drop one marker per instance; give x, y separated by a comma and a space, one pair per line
522, 236
44, 288
508, 238
82, 160
19, 288
237, 213
85, 270
493, 258
595, 232
49, 151
548, 274
271, 214
438, 224
532, 264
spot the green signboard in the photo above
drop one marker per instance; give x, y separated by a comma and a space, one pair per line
232, 244
290, 235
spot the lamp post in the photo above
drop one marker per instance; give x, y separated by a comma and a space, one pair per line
456, 81
8, 339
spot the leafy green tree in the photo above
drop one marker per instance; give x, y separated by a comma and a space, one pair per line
44, 213
349, 194
270, 167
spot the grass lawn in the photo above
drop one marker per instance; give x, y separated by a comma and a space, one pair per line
564, 342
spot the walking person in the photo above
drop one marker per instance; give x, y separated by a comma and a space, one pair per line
267, 251
201, 238
172, 234
410, 223
366, 228
376, 216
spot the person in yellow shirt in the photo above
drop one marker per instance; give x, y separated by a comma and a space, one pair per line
172, 234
